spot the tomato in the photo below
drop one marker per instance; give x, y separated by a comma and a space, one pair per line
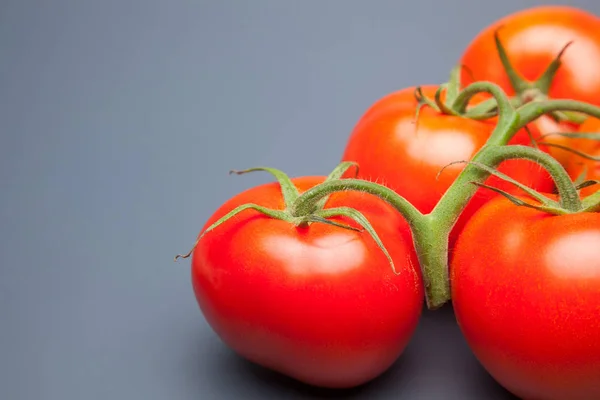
578, 165
526, 295
394, 151
321, 303
533, 38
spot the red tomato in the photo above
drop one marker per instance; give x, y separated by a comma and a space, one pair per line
320, 304
533, 38
526, 294
394, 151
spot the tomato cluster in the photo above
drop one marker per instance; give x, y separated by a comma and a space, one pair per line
323, 278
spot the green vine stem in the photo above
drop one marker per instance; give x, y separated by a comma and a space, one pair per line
532, 111
431, 232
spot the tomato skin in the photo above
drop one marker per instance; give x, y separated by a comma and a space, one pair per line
319, 304
533, 38
526, 295
394, 151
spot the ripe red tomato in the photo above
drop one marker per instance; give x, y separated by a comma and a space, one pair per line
320, 304
526, 294
533, 38
407, 157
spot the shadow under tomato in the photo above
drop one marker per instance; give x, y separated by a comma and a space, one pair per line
391, 380
437, 364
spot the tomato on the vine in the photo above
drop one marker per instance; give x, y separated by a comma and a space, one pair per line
318, 303
405, 153
526, 294
533, 39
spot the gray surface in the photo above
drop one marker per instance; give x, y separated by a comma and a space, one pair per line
119, 121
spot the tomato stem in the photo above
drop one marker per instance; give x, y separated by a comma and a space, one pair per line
337, 173
288, 190
454, 85
519, 84
304, 203
592, 202
531, 111
569, 198
431, 232
544, 83
430, 241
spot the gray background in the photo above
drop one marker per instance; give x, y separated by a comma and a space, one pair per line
119, 121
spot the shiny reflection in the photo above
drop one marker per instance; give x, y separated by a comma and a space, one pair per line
575, 255
444, 147
545, 37
513, 240
329, 254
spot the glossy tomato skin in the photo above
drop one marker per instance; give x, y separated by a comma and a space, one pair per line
319, 304
532, 39
393, 150
526, 295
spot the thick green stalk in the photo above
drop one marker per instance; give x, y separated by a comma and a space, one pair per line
427, 244
313, 195
432, 235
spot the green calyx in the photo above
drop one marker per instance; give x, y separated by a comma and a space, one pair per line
303, 210
456, 103
451, 89
538, 90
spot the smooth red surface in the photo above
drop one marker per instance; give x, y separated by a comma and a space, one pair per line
319, 304
526, 294
393, 150
533, 38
